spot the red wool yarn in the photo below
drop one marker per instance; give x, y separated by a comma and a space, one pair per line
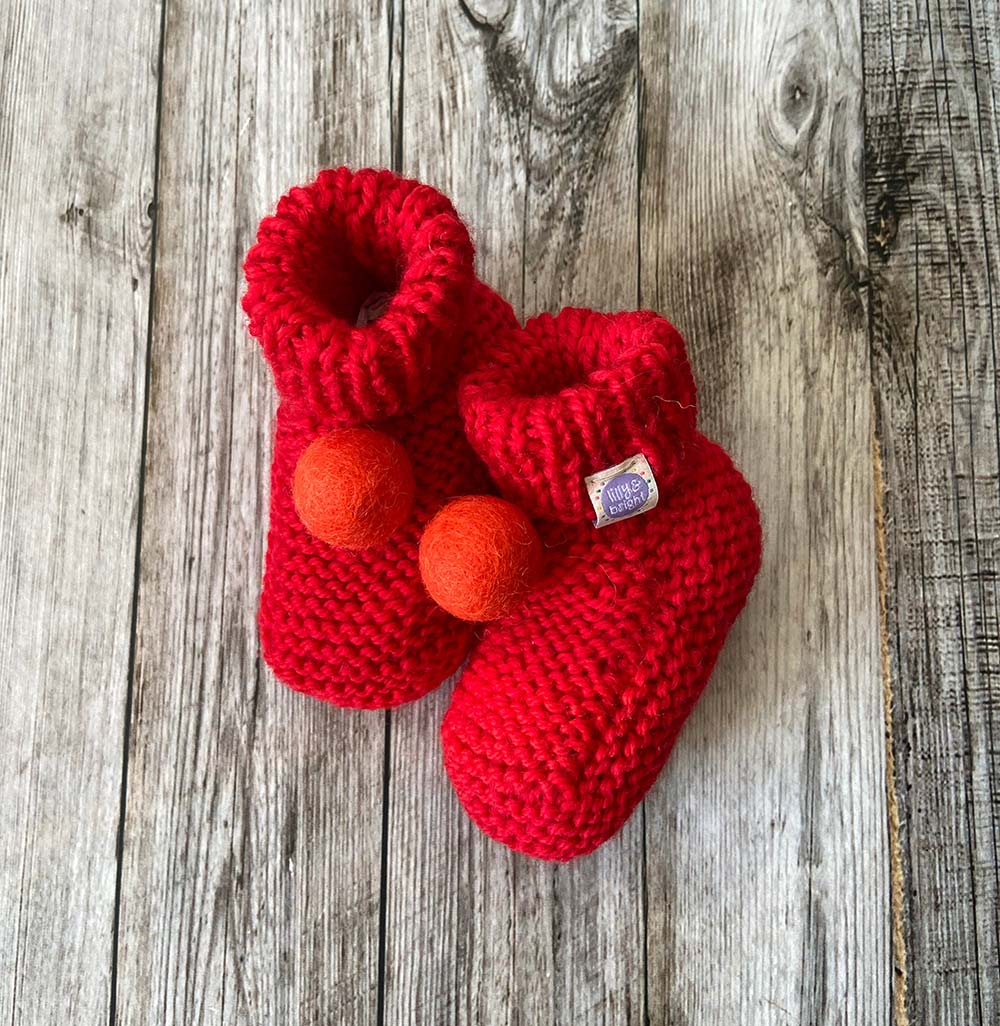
570, 705
479, 556
353, 487
362, 293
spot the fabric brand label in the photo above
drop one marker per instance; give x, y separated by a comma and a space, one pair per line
372, 308
622, 491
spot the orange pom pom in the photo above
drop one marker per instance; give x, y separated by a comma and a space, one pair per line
353, 488
479, 556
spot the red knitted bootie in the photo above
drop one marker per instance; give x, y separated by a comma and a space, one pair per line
362, 293
569, 706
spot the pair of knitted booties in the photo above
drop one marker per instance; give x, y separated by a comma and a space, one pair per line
619, 552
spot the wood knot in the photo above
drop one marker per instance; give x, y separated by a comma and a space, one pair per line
72, 214
794, 106
800, 94
796, 97
485, 14
882, 232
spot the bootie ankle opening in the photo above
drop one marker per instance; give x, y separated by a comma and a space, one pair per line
341, 282
356, 289
574, 394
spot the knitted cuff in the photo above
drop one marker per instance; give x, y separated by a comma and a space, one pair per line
356, 290
574, 394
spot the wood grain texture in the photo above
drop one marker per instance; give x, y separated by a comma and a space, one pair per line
810, 193
526, 115
766, 837
932, 184
76, 170
252, 849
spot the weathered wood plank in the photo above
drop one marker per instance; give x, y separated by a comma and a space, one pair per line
76, 177
766, 839
252, 844
534, 134
932, 184
252, 871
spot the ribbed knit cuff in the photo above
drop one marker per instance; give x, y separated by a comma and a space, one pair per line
574, 394
349, 248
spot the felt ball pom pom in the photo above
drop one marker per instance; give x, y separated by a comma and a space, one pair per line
353, 488
479, 556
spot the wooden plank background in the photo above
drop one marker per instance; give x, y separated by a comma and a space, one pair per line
810, 193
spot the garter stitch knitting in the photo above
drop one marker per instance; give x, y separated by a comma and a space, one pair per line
568, 707
356, 627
